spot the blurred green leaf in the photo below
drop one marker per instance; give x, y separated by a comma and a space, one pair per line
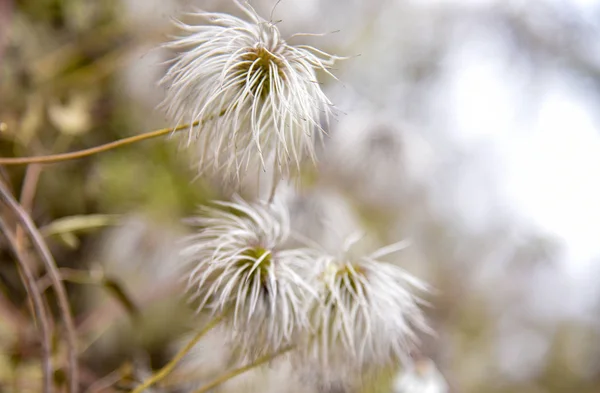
69, 225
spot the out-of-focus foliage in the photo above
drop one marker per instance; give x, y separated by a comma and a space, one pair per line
75, 74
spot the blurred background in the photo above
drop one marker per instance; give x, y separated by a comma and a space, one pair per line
469, 127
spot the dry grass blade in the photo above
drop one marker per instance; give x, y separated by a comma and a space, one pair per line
38, 307
61, 294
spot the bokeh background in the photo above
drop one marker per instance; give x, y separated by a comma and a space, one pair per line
469, 127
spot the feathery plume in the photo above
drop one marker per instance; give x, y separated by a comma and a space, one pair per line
239, 269
256, 96
367, 315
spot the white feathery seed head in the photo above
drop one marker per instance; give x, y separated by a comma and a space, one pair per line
236, 268
367, 315
257, 97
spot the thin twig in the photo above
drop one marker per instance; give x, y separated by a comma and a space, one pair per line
32, 175
30, 182
61, 294
240, 370
166, 370
38, 306
53, 158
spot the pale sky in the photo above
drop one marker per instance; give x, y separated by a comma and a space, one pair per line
547, 161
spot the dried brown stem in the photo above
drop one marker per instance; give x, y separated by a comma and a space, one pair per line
38, 306
61, 294
32, 175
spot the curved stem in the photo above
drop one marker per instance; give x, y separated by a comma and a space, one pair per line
53, 158
38, 306
240, 370
61, 294
166, 370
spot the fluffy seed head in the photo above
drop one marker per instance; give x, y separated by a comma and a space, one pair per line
257, 97
236, 268
367, 315
377, 157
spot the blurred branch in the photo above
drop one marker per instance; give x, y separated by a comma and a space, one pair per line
32, 175
84, 277
51, 64
166, 370
60, 56
6, 8
49, 159
61, 294
94, 72
38, 306
234, 373
106, 381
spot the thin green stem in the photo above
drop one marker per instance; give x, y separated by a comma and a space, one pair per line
240, 370
166, 370
53, 158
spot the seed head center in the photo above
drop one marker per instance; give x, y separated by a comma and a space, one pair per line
260, 66
349, 276
255, 254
